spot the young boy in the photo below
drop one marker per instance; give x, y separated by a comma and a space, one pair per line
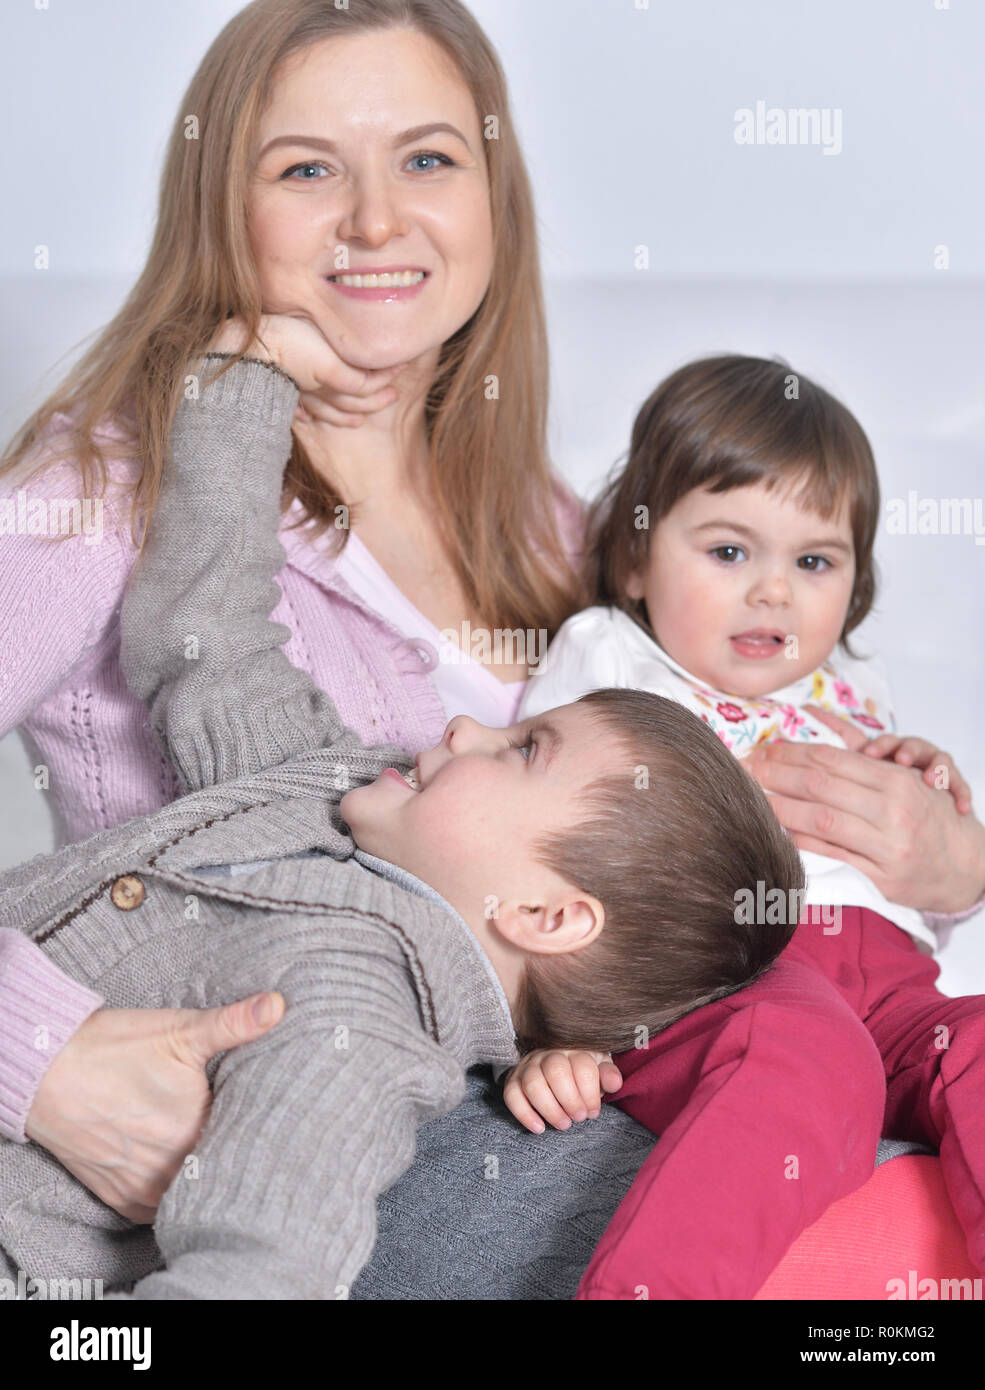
571, 878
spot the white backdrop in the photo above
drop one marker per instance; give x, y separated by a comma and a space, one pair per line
864, 268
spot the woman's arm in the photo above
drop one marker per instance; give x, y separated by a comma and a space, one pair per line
40, 1009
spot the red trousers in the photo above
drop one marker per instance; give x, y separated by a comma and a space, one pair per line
770, 1105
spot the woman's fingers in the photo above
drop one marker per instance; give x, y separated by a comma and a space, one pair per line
204, 1032
839, 831
365, 405
318, 410
937, 768
830, 778
852, 735
335, 407
883, 746
834, 851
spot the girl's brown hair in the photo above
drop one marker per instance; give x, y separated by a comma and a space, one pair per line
726, 422
492, 483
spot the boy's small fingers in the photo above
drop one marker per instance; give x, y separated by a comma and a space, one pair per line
544, 1101
587, 1072
518, 1105
590, 1093
567, 1093
522, 1110
610, 1077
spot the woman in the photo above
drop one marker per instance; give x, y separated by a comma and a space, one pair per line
314, 146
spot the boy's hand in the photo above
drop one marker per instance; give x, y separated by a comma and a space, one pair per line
330, 389
937, 767
560, 1084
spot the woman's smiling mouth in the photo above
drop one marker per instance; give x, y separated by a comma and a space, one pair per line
393, 283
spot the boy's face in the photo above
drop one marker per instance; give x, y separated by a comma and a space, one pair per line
746, 589
468, 832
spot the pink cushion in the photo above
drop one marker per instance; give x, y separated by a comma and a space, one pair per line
900, 1220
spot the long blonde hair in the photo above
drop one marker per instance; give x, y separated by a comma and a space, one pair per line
490, 474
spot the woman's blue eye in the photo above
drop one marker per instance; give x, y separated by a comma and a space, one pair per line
427, 154
728, 554
814, 563
308, 164
316, 164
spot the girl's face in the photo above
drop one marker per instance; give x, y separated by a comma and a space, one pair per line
746, 589
371, 148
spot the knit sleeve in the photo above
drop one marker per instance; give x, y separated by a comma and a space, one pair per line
59, 595
40, 1009
198, 644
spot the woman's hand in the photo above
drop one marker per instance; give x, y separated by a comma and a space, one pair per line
936, 766
331, 390
124, 1101
879, 815
560, 1084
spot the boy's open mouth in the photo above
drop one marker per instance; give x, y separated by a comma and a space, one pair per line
409, 779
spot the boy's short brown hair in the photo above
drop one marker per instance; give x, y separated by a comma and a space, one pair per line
669, 850
726, 422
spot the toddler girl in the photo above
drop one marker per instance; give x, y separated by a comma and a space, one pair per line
733, 559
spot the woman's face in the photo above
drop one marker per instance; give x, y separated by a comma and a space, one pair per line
371, 150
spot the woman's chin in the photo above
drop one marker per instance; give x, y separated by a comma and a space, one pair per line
377, 353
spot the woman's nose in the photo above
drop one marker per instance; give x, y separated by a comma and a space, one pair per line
374, 214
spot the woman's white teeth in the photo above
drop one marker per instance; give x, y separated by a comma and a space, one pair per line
399, 279
412, 779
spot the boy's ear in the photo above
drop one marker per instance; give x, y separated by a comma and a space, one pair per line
554, 928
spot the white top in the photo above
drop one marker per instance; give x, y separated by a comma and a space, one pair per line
466, 686
602, 646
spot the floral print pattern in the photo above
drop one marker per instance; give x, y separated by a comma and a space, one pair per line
743, 724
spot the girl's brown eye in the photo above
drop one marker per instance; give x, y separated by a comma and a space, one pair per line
728, 554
